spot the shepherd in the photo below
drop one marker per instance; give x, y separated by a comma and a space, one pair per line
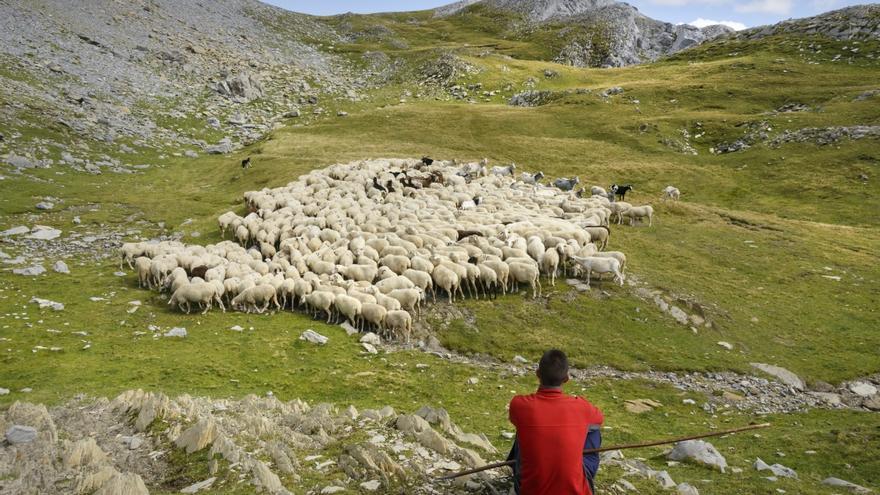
552, 431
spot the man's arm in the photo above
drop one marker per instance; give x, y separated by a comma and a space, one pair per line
593, 415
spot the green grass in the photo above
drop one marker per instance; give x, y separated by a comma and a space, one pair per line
802, 207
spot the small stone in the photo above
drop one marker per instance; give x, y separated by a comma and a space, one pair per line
369, 348
371, 486
686, 489
31, 271
313, 337
4, 391
371, 338
332, 489
201, 485
519, 359
175, 332
135, 442
45, 303
473, 380
18, 434
776, 469
639, 406
21, 229
862, 389
236, 328
726, 345
61, 267
349, 330
832, 481
43, 233
45, 205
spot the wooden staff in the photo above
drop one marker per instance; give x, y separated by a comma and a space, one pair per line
614, 447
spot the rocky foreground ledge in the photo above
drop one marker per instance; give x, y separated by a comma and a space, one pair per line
144, 439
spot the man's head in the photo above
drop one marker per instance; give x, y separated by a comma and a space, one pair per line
553, 368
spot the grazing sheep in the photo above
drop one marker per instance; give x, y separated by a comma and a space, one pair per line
671, 193
617, 208
399, 322
620, 257
257, 298
142, 267
638, 213
409, 299
363, 240
599, 236
321, 301
447, 280
599, 265
550, 261
526, 273
373, 314
598, 191
348, 307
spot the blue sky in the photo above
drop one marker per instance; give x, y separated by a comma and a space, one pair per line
741, 13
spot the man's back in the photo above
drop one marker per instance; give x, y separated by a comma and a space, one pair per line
551, 428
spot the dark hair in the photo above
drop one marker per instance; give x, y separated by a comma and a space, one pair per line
553, 368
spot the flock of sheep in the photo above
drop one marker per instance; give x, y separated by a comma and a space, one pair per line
371, 241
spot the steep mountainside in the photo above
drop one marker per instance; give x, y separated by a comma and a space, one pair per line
159, 74
598, 33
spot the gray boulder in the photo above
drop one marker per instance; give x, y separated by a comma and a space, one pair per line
61, 267
243, 86
699, 452
782, 374
18, 434
776, 469
31, 271
313, 337
837, 482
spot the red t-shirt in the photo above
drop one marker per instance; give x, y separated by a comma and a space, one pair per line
551, 428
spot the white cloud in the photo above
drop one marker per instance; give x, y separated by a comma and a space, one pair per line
823, 5
781, 7
701, 23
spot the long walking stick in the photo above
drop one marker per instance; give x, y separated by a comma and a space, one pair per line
614, 447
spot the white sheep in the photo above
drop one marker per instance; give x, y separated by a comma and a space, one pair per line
672, 193
526, 273
599, 265
638, 213
399, 322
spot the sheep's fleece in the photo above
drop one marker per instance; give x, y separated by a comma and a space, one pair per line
334, 231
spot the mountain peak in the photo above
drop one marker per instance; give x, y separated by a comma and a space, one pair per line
535, 10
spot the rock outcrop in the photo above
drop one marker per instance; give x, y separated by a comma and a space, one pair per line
601, 33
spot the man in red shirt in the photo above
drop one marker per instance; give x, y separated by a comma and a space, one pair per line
551, 433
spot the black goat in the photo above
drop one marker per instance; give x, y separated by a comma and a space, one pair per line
246, 163
378, 186
620, 191
427, 161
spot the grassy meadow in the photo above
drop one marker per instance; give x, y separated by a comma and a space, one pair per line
752, 242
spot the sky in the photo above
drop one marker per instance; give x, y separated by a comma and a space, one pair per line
738, 14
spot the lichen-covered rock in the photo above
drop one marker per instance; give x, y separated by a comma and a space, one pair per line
700, 452
197, 436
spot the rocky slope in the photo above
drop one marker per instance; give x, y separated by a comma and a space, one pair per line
859, 22
156, 74
601, 32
